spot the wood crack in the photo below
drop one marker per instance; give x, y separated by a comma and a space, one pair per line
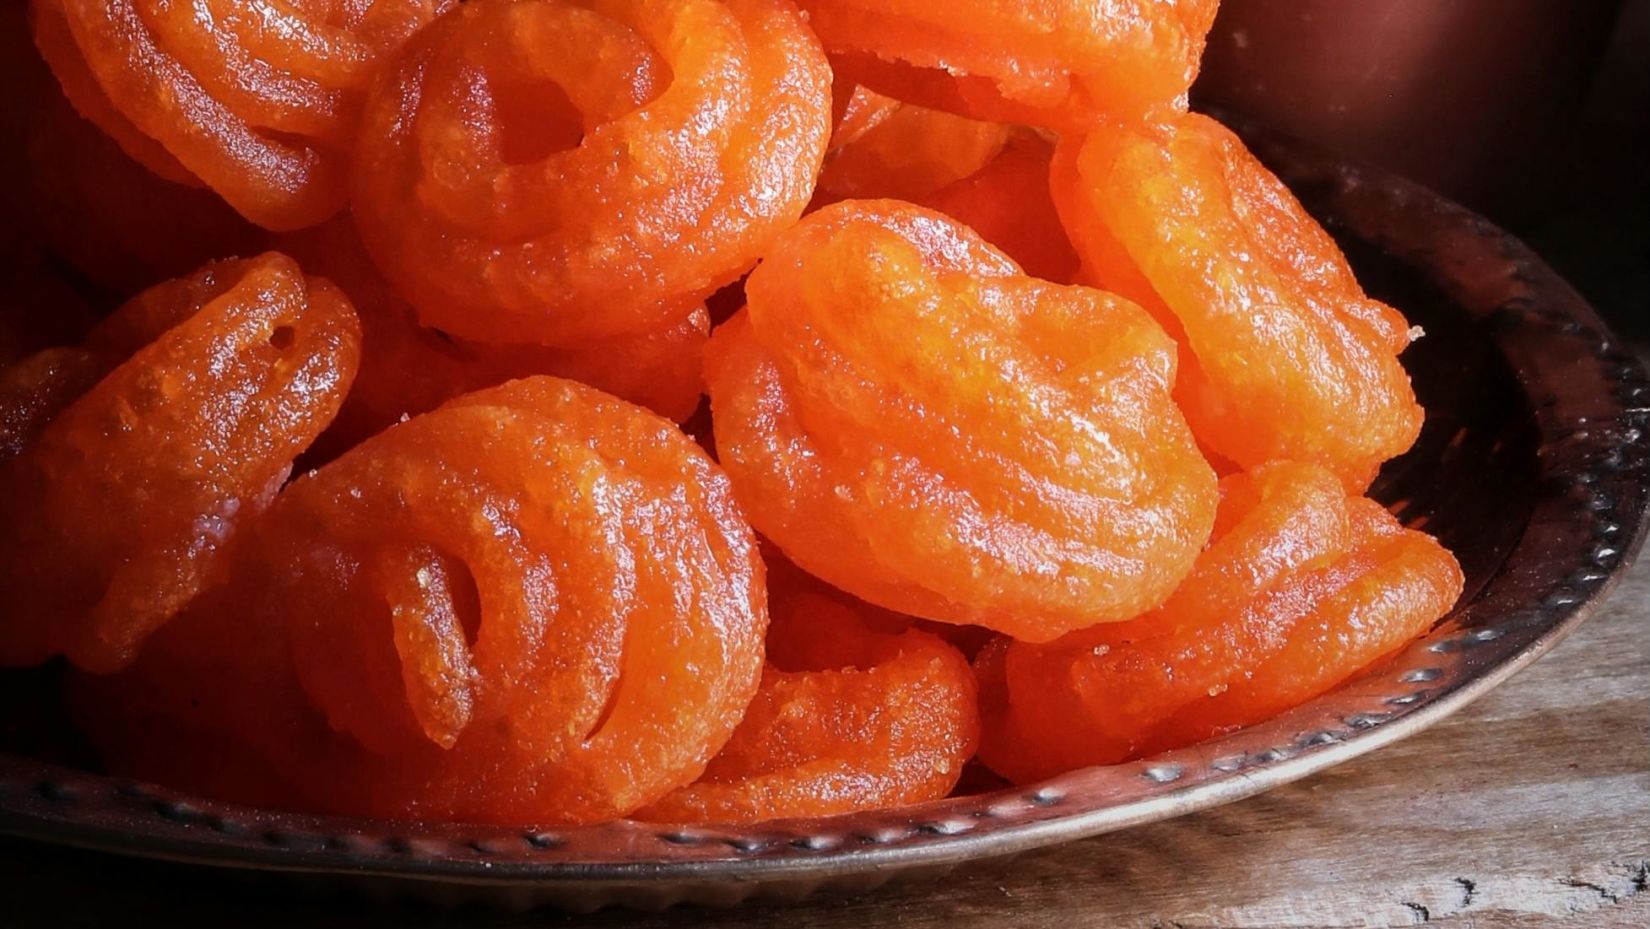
1603, 892
1469, 889
1638, 881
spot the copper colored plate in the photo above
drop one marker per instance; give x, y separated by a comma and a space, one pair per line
1534, 468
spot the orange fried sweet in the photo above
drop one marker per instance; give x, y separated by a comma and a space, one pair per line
855, 109
912, 419
857, 710
1285, 355
535, 604
146, 449
907, 153
113, 220
1064, 64
992, 177
1009, 204
408, 369
258, 101
549, 172
1301, 587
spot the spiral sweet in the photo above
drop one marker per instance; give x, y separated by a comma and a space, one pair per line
1301, 587
857, 710
876, 720
140, 455
913, 420
534, 604
257, 100
1067, 64
1285, 356
549, 172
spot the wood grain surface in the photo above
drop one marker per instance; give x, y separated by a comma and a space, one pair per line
1529, 808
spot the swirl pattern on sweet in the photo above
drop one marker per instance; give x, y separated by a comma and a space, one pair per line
1285, 355
136, 458
550, 172
1067, 64
857, 710
915, 421
257, 100
1301, 587
534, 604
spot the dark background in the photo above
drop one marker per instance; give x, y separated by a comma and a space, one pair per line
1535, 113
1596, 230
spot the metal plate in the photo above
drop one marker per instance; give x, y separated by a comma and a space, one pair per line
1534, 467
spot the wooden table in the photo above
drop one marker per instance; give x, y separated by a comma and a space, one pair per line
1530, 808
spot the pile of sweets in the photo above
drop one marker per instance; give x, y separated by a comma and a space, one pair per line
354, 450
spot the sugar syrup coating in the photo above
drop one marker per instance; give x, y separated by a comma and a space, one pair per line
540, 171
258, 101
535, 604
1065, 65
916, 422
1284, 355
858, 709
1300, 588
149, 447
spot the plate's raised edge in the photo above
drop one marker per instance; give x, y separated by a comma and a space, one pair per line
1591, 402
